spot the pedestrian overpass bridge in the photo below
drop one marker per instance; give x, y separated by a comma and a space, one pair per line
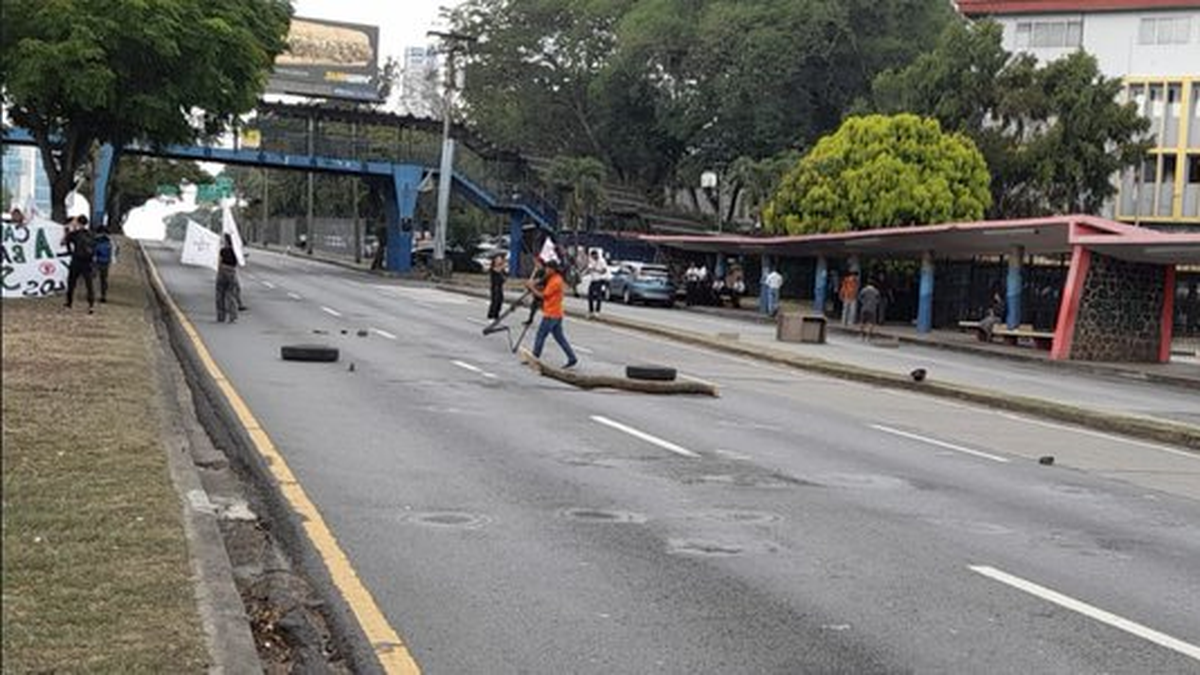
398, 152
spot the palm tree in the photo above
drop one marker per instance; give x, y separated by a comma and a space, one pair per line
582, 179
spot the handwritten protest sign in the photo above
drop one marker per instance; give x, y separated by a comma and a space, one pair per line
34, 262
200, 246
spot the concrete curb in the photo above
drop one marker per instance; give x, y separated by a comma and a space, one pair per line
221, 423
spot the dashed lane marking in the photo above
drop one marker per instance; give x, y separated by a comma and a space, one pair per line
940, 444
383, 333
653, 440
295, 296
1121, 623
330, 311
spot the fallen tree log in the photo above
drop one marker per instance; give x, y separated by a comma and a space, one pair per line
589, 381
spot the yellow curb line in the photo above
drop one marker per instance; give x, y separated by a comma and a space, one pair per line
391, 651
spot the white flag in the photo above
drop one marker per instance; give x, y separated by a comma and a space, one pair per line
548, 253
229, 227
201, 246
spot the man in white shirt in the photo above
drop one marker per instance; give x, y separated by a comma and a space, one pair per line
774, 282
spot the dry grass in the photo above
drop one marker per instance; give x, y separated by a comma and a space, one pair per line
96, 575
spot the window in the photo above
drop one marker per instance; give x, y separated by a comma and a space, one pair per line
1165, 31
1040, 34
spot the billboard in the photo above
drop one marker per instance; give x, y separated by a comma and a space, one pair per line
328, 59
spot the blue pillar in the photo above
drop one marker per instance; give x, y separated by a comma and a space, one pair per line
820, 285
925, 296
1016, 260
719, 268
406, 181
515, 235
105, 163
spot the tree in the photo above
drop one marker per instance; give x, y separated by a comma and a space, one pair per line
582, 181
660, 90
757, 180
79, 73
881, 171
1053, 134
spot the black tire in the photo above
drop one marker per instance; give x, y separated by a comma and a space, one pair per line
654, 373
311, 353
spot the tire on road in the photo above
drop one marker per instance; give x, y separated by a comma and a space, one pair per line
311, 353
653, 373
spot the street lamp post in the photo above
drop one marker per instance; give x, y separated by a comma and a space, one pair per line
710, 182
454, 43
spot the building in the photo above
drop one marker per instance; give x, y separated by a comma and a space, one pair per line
1153, 46
419, 91
24, 179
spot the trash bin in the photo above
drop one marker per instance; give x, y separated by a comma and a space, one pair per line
812, 329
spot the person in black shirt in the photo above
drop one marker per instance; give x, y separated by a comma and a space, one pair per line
496, 275
82, 246
227, 282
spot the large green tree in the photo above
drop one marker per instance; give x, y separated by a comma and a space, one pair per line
1053, 134
882, 171
81, 72
661, 90
581, 181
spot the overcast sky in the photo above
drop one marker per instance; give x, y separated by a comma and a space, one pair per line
402, 23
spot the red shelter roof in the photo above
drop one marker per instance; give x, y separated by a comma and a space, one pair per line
992, 7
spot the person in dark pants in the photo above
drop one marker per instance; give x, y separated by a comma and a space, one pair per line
103, 258
496, 275
598, 277
537, 279
82, 246
381, 235
227, 282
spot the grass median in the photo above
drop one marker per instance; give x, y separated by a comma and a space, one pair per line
96, 571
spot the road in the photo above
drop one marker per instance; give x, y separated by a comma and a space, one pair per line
506, 523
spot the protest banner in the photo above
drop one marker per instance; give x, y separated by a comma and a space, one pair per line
34, 262
200, 246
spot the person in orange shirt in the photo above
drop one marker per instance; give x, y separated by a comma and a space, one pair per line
551, 295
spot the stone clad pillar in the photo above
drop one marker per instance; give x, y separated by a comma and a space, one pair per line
925, 295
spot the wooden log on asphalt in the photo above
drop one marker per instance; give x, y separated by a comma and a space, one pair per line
588, 381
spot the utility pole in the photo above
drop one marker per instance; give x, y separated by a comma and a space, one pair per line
453, 44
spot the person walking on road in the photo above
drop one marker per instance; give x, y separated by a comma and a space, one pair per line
103, 258
82, 246
774, 282
868, 310
551, 296
381, 236
496, 276
849, 296
227, 282
598, 276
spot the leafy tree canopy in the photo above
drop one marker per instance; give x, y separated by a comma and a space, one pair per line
881, 171
77, 72
662, 89
1053, 134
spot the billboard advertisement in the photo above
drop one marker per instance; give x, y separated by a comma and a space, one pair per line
328, 59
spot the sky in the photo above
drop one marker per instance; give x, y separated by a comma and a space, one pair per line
402, 23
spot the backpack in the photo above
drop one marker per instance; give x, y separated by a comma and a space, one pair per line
103, 250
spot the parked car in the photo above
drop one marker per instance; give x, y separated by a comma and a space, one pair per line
642, 282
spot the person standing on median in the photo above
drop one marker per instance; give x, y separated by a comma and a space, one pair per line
227, 282
551, 295
597, 275
774, 282
82, 246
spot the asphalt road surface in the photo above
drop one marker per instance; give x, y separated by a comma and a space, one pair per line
507, 523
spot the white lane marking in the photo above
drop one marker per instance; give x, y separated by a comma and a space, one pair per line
295, 296
583, 350
331, 312
383, 333
268, 284
940, 444
654, 440
1131, 627
474, 369
1101, 434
